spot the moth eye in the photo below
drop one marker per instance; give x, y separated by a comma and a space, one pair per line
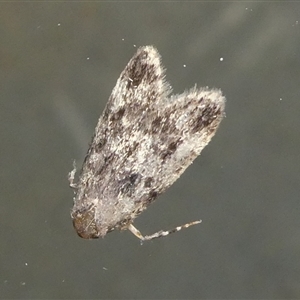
84, 224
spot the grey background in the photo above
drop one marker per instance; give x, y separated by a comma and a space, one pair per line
59, 63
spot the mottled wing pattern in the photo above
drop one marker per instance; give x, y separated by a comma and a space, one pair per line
143, 142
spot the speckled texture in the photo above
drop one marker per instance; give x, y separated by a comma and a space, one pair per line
143, 142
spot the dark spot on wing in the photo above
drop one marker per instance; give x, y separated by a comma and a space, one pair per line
148, 182
118, 115
156, 125
171, 149
152, 196
205, 118
129, 183
132, 149
99, 146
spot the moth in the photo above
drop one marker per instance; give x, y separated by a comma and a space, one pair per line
144, 140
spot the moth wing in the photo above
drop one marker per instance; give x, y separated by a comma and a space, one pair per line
180, 131
143, 142
107, 190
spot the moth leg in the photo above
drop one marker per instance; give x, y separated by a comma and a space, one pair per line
160, 233
71, 176
136, 232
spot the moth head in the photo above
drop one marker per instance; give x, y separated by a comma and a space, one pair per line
85, 225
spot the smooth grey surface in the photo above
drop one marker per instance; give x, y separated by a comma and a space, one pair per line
59, 63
